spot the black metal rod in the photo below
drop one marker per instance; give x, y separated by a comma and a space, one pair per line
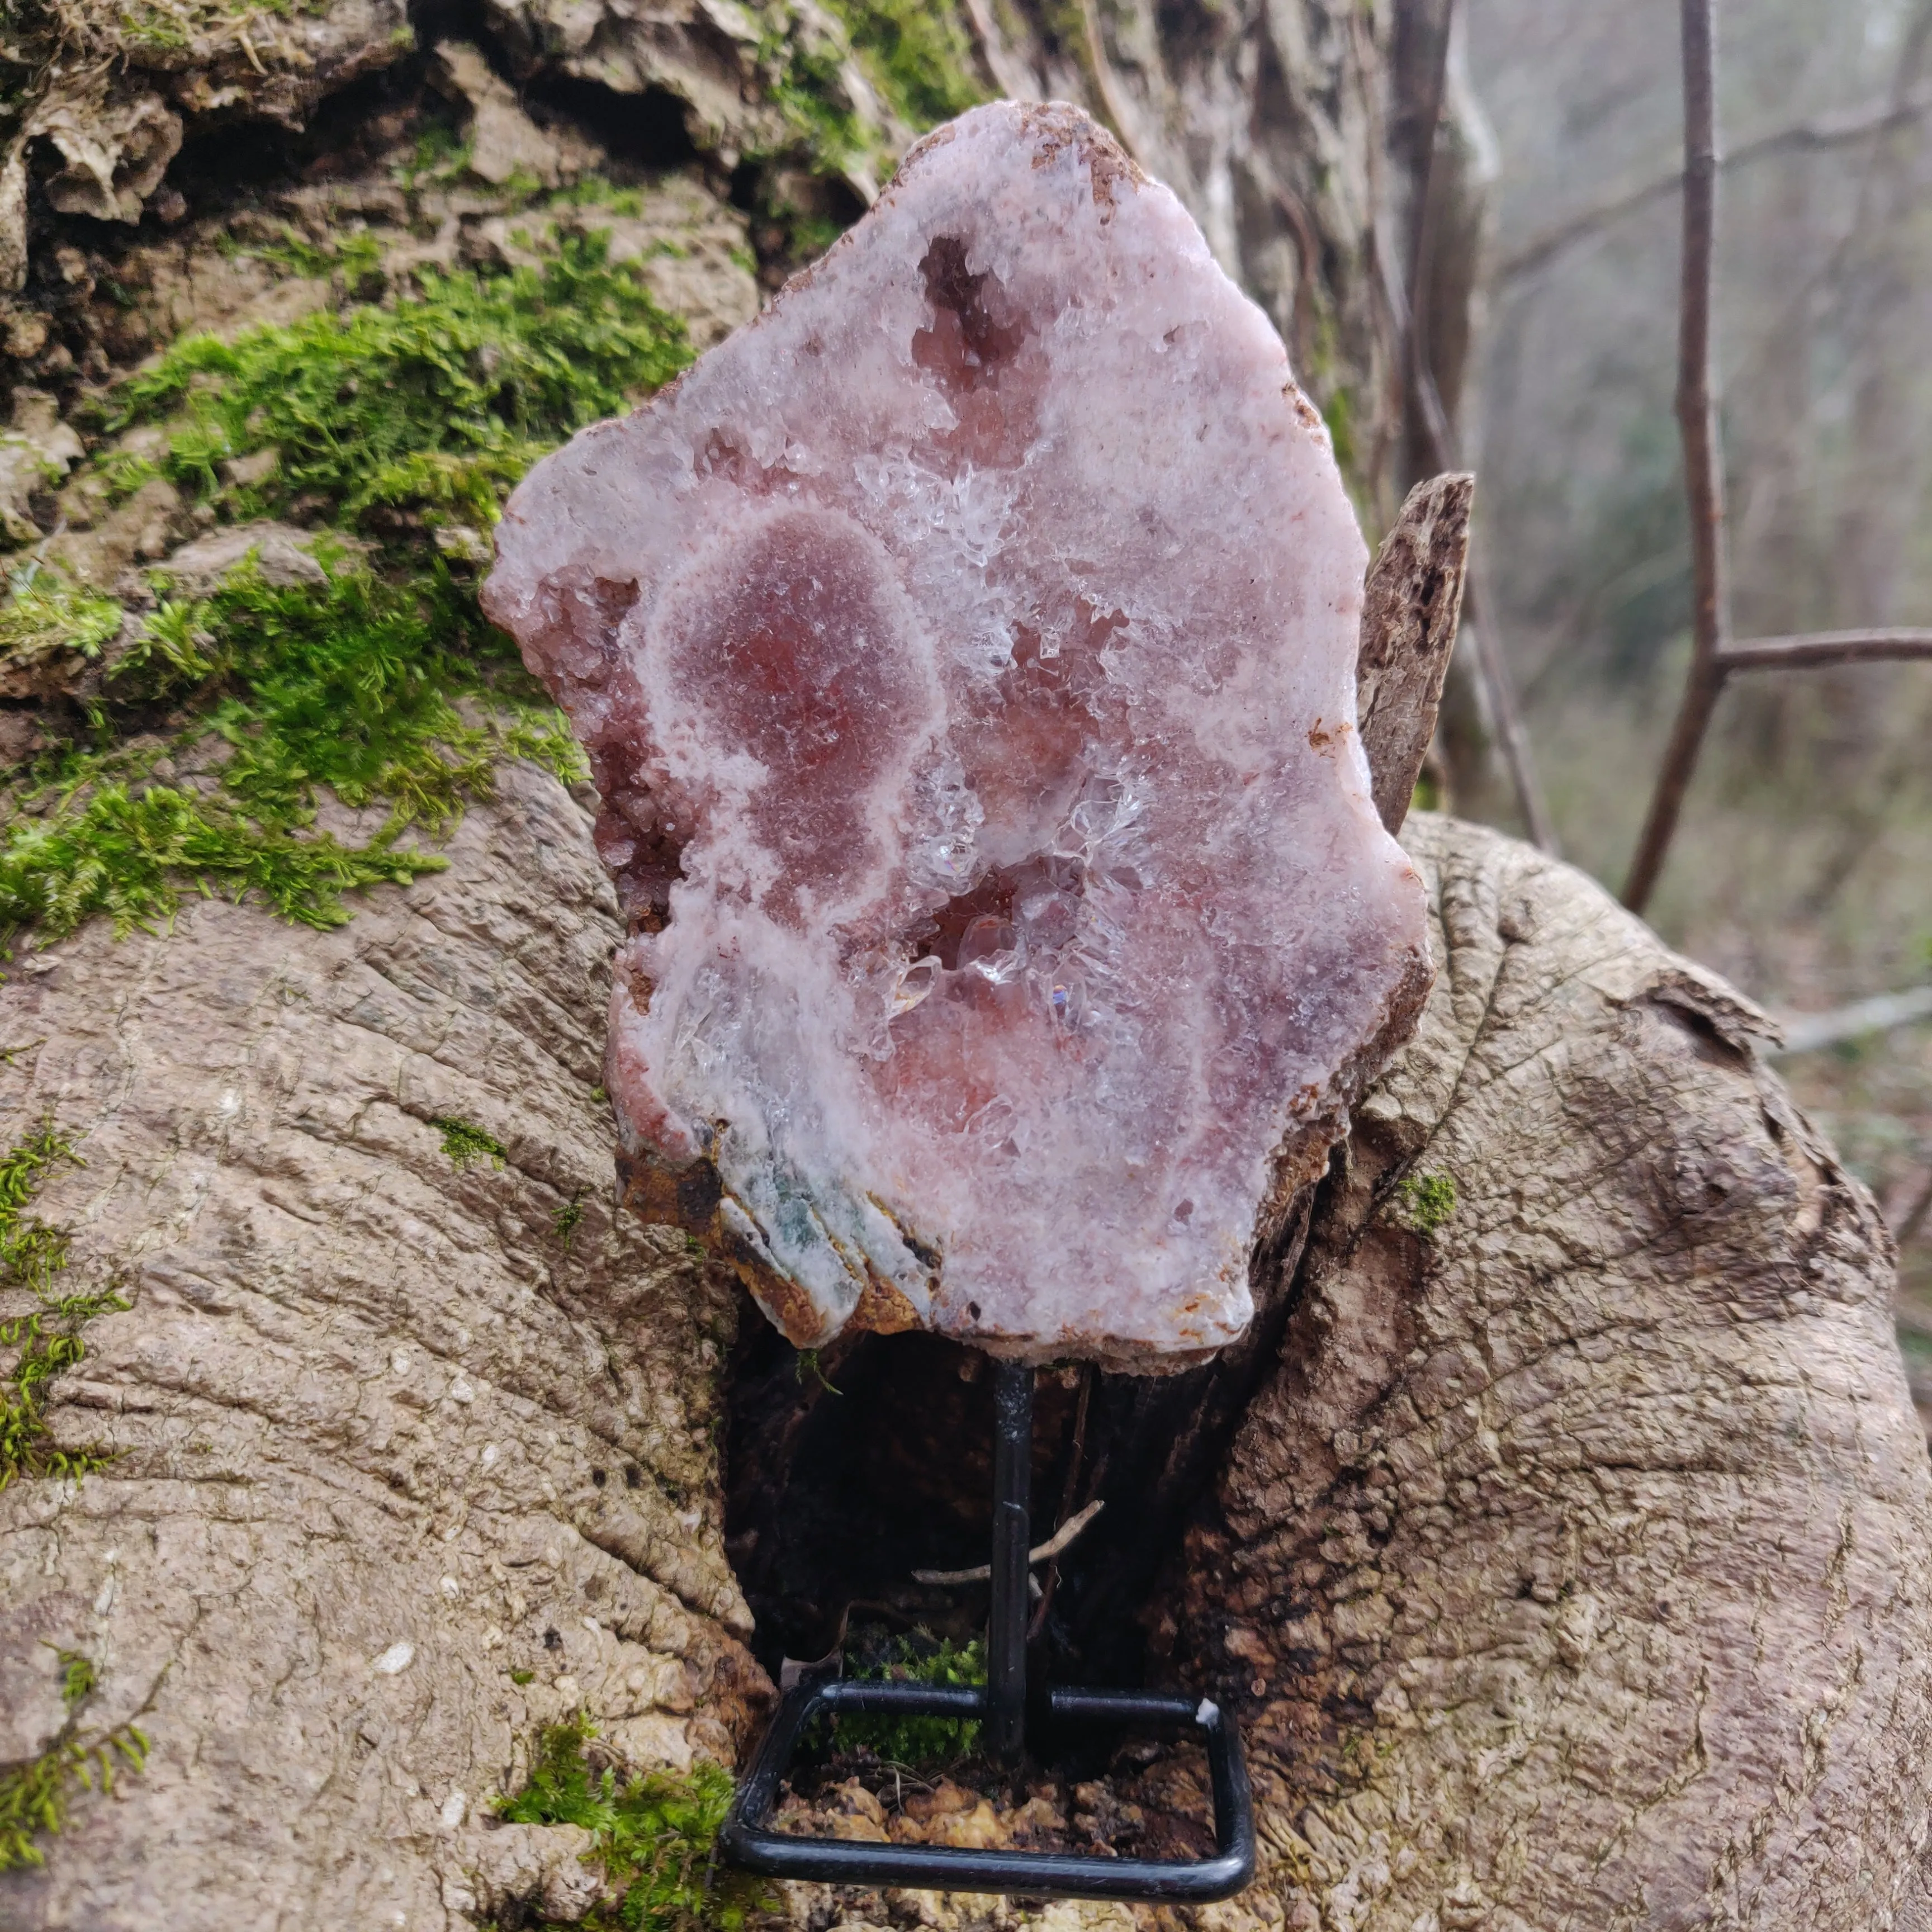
1006, 1620
749, 1840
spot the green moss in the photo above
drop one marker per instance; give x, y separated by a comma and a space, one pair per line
917, 54
464, 1141
440, 155
46, 1340
354, 684
131, 857
435, 405
594, 191
918, 59
565, 1221
77, 1677
35, 1797
1427, 1201
351, 685
917, 1658
383, 684
356, 257
1338, 413
653, 1835
807, 1362
44, 617
801, 68
31, 1253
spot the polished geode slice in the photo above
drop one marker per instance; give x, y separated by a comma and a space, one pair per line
965, 651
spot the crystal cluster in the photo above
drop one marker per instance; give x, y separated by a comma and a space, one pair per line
965, 651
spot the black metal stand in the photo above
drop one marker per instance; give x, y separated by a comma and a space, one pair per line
747, 1841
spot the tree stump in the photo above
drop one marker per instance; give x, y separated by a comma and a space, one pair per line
1572, 1567
1569, 1564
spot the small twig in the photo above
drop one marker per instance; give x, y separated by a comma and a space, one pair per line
1703, 460
982, 1572
1511, 733
1810, 649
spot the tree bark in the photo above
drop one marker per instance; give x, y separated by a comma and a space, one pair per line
382, 1438
1268, 121
1571, 1561
1573, 1568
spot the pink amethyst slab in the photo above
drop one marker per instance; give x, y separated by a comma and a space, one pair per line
966, 652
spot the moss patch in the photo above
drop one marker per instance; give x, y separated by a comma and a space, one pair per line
46, 1340
435, 405
464, 1142
917, 54
916, 1742
44, 620
131, 855
77, 1677
653, 1835
1425, 1202
916, 57
34, 1798
381, 685
31, 1253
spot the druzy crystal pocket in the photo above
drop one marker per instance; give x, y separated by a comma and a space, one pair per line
965, 652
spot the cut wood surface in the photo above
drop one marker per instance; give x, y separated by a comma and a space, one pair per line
1573, 1569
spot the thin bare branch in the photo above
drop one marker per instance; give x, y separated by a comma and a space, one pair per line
1512, 733
1807, 1032
1811, 649
1703, 456
1422, 240
1112, 101
1819, 135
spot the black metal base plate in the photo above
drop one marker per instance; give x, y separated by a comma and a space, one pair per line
747, 1841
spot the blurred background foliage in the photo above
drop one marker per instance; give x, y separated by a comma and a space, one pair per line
1803, 869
